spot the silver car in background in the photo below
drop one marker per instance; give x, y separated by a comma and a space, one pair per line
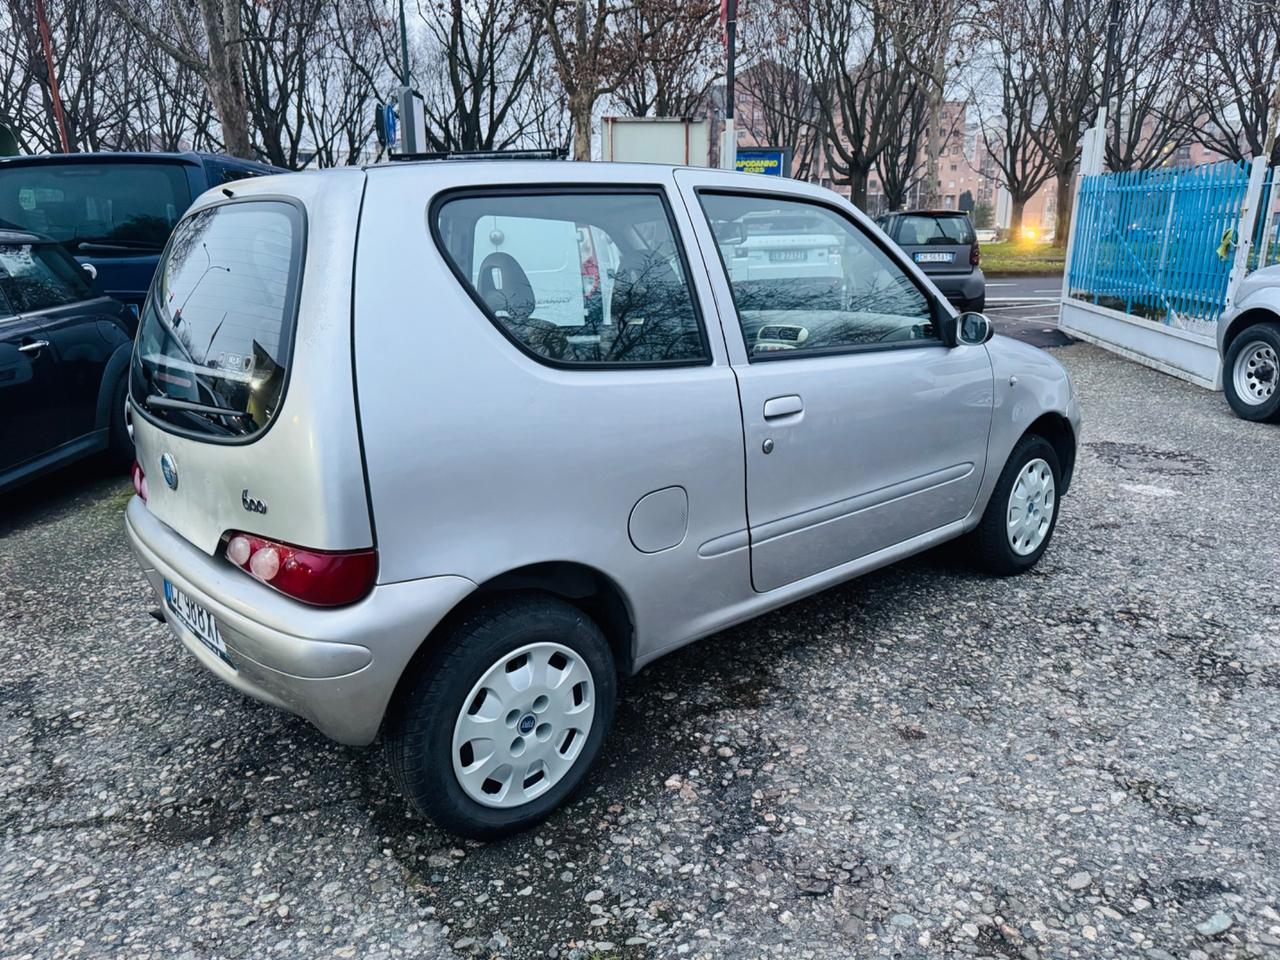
394, 481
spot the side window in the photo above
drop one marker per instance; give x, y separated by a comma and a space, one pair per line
38, 276
576, 277
807, 280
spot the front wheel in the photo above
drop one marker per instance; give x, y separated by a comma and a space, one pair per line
1023, 510
1251, 373
501, 725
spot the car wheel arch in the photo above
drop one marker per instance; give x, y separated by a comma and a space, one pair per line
1056, 428
1249, 318
591, 590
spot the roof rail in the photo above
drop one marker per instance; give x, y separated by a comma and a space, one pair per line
482, 155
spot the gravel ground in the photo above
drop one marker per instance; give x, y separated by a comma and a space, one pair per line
1081, 762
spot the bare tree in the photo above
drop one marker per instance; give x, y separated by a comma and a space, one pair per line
1064, 42
679, 57
482, 57
1010, 122
1235, 71
211, 44
776, 98
860, 76
1152, 111
592, 53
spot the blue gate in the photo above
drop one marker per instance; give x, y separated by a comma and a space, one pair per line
1159, 243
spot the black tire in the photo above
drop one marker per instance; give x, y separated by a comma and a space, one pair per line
977, 304
419, 735
1268, 411
989, 542
119, 443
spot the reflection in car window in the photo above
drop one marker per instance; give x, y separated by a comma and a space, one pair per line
577, 277
806, 280
218, 327
38, 276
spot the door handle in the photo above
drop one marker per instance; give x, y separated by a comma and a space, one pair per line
35, 346
779, 407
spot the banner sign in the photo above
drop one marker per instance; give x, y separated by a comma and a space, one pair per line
770, 161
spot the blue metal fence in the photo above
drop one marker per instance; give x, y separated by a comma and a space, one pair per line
1158, 243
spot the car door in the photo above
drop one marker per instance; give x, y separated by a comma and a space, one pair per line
59, 310
25, 384
863, 428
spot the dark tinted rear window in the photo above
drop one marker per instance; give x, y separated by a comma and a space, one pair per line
99, 209
217, 331
920, 228
37, 276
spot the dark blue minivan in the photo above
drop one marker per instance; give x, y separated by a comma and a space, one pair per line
112, 211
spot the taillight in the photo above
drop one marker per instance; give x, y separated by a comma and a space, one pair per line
327, 578
139, 481
975, 255
590, 277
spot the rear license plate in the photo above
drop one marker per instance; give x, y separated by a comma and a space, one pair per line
934, 257
786, 256
197, 619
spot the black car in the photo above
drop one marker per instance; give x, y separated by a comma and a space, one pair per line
64, 356
944, 246
112, 211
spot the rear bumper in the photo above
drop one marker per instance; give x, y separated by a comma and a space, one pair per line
958, 287
336, 668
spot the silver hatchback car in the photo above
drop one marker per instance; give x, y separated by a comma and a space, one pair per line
438, 449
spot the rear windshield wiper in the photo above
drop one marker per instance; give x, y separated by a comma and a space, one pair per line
140, 247
160, 402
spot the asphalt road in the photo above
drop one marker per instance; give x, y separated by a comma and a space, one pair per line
1002, 289
924, 763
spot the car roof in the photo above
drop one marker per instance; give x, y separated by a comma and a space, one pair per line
929, 213
21, 236
129, 156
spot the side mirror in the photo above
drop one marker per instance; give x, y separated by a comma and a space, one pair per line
91, 270
973, 328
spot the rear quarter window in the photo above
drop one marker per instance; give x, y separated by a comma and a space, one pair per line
216, 338
576, 277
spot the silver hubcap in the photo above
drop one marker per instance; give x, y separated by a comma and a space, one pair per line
1031, 507
1256, 372
523, 725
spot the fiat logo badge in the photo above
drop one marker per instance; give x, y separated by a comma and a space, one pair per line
170, 470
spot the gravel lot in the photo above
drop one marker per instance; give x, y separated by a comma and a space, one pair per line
1082, 762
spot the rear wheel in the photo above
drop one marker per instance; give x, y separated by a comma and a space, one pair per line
977, 304
1023, 510
501, 725
1251, 373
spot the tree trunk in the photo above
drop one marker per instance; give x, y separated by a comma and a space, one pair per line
581, 106
1062, 220
1015, 219
221, 19
931, 198
858, 187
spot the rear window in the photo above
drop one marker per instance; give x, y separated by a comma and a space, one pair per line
916, 228
103, 209
39, 276
216, 336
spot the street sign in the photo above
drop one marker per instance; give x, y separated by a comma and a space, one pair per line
385, 124
770, 161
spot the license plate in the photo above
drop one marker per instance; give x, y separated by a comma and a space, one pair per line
934, 257
786, 256
197, 619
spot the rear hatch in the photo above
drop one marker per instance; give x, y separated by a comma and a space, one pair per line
939, 243
241, 379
